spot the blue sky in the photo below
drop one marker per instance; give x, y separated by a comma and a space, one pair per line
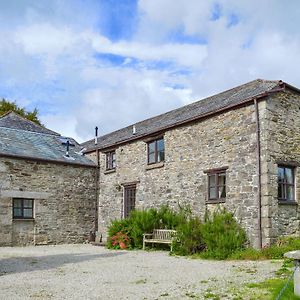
112, 63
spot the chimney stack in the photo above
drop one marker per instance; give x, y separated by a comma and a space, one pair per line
133, 130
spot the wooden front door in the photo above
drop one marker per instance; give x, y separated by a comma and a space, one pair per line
129, 199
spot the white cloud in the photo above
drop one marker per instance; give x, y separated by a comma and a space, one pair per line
182, 54
52, 55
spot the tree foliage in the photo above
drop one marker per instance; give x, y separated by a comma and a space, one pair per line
6, 106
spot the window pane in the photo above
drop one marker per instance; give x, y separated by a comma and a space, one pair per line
212, 193
222, 192
107, 161
222, 179
280, 191
160, 156
289, 175
212, 180
17, 203
113, 160
113, 164
280, 174
160, 145
151, 158
27, 213
151, 147
17, 212
27, 203
290, 192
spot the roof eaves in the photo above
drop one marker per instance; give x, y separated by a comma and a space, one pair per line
48, 160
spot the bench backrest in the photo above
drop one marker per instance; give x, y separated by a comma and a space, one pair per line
163, 234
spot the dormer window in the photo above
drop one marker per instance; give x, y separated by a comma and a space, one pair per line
156, 151
111, 160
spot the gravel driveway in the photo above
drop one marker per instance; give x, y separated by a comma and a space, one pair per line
91, 272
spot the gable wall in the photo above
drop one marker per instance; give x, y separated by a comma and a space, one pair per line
228, 139
280, 137
64, 202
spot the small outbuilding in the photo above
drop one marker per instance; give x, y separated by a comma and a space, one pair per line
47, 187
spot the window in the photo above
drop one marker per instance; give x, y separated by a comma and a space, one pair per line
286, 183
22, 208
111, 160
156, 151
217, 186
129, 199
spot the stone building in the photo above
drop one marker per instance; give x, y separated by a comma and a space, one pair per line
239, 149
47, 187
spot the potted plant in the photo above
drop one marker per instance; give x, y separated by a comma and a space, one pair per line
120, 240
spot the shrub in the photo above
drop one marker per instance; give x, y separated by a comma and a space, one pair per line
117, 226
120, 240
222, 235
142, 221
189, 237
218, 237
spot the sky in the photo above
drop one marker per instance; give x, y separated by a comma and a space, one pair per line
111, 63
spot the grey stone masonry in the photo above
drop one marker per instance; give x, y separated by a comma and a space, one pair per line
64, 202
224, 140
280, 145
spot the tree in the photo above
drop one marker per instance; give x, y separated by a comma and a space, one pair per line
6, 106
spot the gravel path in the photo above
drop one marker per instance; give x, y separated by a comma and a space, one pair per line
91, 272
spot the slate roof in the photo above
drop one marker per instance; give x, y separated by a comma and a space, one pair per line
13, 120
29, 144
185, 114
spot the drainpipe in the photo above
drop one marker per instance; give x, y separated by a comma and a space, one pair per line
97, 191
97, 182
258, 172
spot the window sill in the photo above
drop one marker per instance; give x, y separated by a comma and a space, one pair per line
110, 171
155, 166
287, 202
26, 220
215, 201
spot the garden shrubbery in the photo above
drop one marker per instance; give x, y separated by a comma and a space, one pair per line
222, 235
217, 237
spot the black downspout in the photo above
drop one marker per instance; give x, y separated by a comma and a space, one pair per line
258, 172
97, 183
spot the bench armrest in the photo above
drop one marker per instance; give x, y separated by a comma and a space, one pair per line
147, 235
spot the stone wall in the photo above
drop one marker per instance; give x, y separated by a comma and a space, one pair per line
64, 202
228, 139
280, 143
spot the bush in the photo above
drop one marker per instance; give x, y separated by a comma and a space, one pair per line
189, 237
218, 237
144, 221
222, 235
117, 226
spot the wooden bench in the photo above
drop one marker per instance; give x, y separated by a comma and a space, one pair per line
159, 236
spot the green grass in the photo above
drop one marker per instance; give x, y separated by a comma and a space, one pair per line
274, 286
276, 251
